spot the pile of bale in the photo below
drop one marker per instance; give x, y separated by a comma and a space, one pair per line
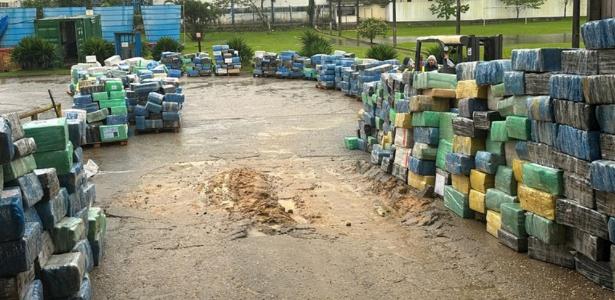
228, 61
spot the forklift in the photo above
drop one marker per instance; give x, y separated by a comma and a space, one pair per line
461, 48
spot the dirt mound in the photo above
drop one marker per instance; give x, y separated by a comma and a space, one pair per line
247, 193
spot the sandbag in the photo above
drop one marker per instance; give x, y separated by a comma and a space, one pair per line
468, 145
31, 189
540, 108
498, 132
505, 181
556, 254
599, 89
422, 167
607, 146
538, 202
543, 178
483, 119
537, 83
426, 119
24, 147
578, 143
593, 247
518, 127
466, 70
465, 127
547, 231
571, 164
513, 218
599, 34
67, 233
469, 89
457, 163
446, 126
457, 202
492, 72
18, 255
574, 215
468, 106
423, 151
444, 147
536, 60
566, 87
434, 80
488, 162
580, 61
404, 137
605, 114
575, 114
544, 132
420, 182
461, 183
481, 181
477, 201
579, 190
514, 83
427, 135
16, 286
63, 274
519, 244
495, 148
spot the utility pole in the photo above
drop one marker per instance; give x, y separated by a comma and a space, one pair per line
458, 14
576, 23
272, 13
339, 17
331, 17
394, 23
356, 4
233, 12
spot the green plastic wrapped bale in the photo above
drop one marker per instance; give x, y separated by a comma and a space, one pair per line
518, 127
67, 233
97, 116
117, 95
371, 141
457, 202
114, 85
434, 80
114, 133
61, 160
495, 147
351, 142
513, 219
111, 103
444, 147
49, 135
505, 180
379, 123
102, 96
426, 119
446, 126
543, 178
17, 168
97, 222
119, 110
392, 115
513, 106
424, 151
544, 229
497, 90
494, 198
498, 132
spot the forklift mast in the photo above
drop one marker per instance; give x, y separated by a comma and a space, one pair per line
492, 48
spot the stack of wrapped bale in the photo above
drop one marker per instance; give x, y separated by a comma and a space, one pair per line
309, 72
173, 62
290, 65
158, 105
384, 112
342, 63
228, 61
326, 72
202, 65
265, 64
398, 123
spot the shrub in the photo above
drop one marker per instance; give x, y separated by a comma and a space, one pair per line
245, 51
314, 43
34, 53
165, 44
99, 47
382, 52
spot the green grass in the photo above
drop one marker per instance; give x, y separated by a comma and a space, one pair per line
28, 73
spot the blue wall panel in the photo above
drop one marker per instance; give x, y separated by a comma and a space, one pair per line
63, 11
21, 24
115, 19
161, 21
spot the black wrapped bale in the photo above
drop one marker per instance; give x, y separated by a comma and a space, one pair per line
386, 165
31, 189
483, 119
571, 164
541, 154
607, 146
605, 114
544, 132
599, 89
468, 106
605, 202
597, 271
63, 274
84, 248
580, 62
92, 134
74, 179
511, 241
12, 219
18, 256
49, 182
47, 249
555, 254
606, 61
465, 127
537, 83
24, 147
579, 189
15, 287
7, 150
400, 172
53, 210
572, 214
575, 114
591, 246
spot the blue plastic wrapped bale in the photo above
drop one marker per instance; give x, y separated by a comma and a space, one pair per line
174, 97
116, 120
78, 155
6, 141
30, 215
170, 106
488, 162
521, 150
85, 292
76, 131
34, 291
544, 132
50, 184
73, 180
467, 107
140, 111
153, 107
24, 147
12, 219
599, 89
466, 70
576, 114
53, 210
75, 205
492, 72
599, 34
31, 189
566, 87
422, 167
580, 62
63, 274
174, 73
605, 114
89, 189
578, 143
84, 248
82, 99
427, 135
377, 154
171, 116
514, 83
459, 164
537, 60
154, 124
603, 175
155, 98
18, 255
540, 108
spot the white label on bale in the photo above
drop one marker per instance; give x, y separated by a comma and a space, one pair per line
228, 60
439, 188
110, 132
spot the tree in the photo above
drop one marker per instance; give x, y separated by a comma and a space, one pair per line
445, 9
523, 4
371, 27
198, 14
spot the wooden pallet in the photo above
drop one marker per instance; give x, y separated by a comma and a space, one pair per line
100, 144
324, 87
157, 130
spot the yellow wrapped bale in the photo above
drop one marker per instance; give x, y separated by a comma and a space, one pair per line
420, 103
517, 166
477, 201
538, 202
494, 222
461, 183
469, 89
360, 114
440, 93
420, 182
403, 120
481, 181
467, 145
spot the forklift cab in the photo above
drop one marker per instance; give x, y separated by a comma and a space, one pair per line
461, 48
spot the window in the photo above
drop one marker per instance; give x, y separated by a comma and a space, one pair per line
4, 4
